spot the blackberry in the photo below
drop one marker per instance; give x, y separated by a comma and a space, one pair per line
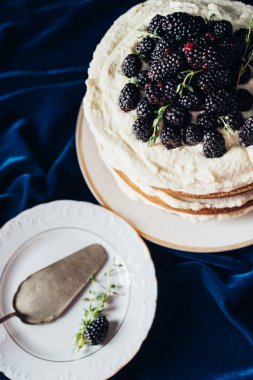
191, 102
221, 29
142, 128
205, 40
193, 134
176, 116
170, 91
221, 102
234, 120
142, 78
166, 67
208, 121
129, 97
214, 145
145, 109
240, 35
155, 25
155, 92
145, 48
97, 330
246, 133
245, 77
131, 65
230, 51
235, 69
212, 80
162, 49
245, 100
171, 137
181, 25
239, 38
200, 57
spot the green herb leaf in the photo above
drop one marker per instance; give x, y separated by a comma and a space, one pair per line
155, 125
187, 80
189, 88
227, 128
179, 87
93, 311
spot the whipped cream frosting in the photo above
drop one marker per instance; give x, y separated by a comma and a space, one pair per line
182, 169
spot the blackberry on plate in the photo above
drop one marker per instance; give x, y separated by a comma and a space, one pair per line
245, 100
155, 25
191, 102
214, 145
142, 128
145, 48
155, 92
131, 65
176, 116
221, 102
167, 66
142, 78
217, 79
145, 108
200, 57
234, 120
171, 137
246, 133
208, 121
97, 330
182, 25
163, 48
221, 29
193, 134
129, 97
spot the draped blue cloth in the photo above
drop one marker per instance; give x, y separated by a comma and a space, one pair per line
204, 322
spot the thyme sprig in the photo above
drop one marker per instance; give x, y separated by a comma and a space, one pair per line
245, 65
248, 36
228, 130
144, 33
97, 300
159, 114
211, 18
248, 54
134, 80
186, 82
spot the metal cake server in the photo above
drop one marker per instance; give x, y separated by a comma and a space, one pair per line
46, 294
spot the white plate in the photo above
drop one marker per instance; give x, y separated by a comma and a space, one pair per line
45, 234
156, 225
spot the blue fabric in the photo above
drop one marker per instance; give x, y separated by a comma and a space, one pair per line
204, 323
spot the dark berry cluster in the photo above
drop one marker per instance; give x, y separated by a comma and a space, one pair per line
185, 79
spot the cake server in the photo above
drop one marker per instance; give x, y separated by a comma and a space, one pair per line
46, 294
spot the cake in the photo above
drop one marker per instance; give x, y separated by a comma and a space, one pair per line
188, 148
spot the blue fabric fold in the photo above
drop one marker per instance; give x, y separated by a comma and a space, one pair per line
204, 322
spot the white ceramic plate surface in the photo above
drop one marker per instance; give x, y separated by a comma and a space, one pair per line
156, 225
44, 234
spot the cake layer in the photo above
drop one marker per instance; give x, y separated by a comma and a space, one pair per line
199, 214
183, 169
